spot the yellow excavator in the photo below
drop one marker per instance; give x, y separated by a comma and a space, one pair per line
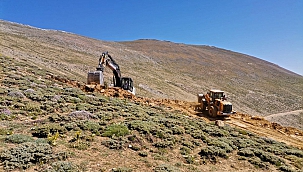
215, 103
97, 78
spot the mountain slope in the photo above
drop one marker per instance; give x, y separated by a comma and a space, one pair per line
49, 125
162, 69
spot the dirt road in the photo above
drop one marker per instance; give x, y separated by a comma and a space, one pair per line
293, 118
296, 112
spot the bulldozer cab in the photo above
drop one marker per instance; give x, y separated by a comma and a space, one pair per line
216, 94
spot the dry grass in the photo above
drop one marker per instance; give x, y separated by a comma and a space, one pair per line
161, 69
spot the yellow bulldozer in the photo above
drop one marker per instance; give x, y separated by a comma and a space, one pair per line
215, 104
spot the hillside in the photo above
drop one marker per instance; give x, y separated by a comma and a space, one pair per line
162, 69
50, 123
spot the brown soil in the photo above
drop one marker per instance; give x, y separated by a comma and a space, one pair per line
258, 125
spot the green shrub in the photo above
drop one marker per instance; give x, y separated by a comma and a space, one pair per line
296, 152
32, 107
257, 162
287, 169
92, 126
62, 166
197, 134
5, 131
122, 169
189, 159
113, 144
18, 138
80, 145
185, 150
296, 161
143, 127
188, 144
166, 168
221, 144
143, 154
26, 155
46, 129
177, 130
247, 152
115, 130
211, 152
268, 157
243, 143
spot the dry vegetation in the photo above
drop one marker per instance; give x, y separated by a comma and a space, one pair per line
47, 125
161, 69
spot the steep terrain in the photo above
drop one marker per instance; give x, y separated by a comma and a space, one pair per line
49, 122
161, 69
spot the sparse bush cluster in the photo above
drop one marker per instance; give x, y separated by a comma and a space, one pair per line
59, 115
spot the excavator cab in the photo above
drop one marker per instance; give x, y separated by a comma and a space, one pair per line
127, 84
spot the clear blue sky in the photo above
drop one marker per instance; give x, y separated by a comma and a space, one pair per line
268, 29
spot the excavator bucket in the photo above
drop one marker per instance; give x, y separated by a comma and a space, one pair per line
94, 78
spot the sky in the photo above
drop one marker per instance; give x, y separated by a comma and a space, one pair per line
271, 30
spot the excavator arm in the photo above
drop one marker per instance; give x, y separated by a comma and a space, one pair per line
107, 60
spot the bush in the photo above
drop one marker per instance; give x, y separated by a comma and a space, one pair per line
268, 157
211, 152
257, 162
143, 154
16, 94
143, 127
247, 152
122, 169
115, 130
47, 129
177, 130
19, 138
163, 144
185, 150
4, 131
113, 144
189, 159
62, 166
217, 143
286, 169
80, 145
166, 168
26, 155
92, 126
83, 115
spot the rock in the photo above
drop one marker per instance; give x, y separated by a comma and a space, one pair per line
219, 123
